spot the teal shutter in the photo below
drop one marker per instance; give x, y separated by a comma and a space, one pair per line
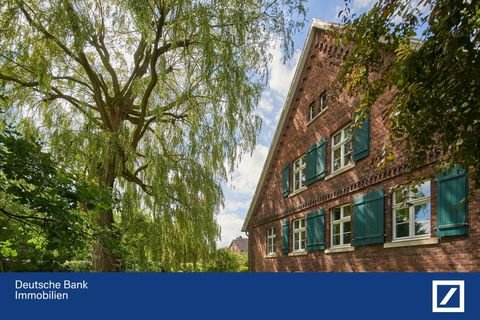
452, 203
285, 236
316, 230
286, 180
315, 158
361, 140
368, 218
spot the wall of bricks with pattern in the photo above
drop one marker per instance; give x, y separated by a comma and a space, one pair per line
459, 253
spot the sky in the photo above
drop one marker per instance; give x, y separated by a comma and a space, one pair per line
238, 191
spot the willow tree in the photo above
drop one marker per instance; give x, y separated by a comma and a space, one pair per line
151, 99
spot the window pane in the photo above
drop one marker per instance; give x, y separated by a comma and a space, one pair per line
347, 238
346, 227
422, 212
347, 151
402, 230
400, 196
337, 164
336, 228
312, 110
422, 227
302, 161
336, 214
336, 239
346, 211
337, 138
421, 191
303, 178
296, 224
347, 159
337, 155
302, 224
348, 133
347, 147
323, 101
402, 215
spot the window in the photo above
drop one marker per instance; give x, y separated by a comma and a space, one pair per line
271, 241
299, 235
411, 212
342, 149
341, 234
299, 173
317, 107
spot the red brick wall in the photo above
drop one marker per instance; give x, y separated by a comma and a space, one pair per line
460, 253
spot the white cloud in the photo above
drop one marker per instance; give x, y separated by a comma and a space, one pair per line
231, 226
281, 74
234, 205
363, 4
246, 175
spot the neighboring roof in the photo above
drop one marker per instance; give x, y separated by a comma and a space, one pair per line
316, 24
242, 243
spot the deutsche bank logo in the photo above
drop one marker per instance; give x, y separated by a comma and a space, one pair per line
448, 296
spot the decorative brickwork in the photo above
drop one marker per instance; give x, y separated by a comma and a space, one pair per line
457, 253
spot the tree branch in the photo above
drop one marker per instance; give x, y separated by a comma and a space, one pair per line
47, 34
135, 179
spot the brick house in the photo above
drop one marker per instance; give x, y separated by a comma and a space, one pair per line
239, 245
323, 204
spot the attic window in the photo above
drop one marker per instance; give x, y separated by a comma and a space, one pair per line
317, 106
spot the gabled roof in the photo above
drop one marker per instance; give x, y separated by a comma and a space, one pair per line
242, 243
316, 24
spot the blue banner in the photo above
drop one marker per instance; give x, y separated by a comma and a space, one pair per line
240, 296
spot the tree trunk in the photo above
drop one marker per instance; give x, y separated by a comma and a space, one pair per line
103, 257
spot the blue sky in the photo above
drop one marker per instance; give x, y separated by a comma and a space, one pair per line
239, 190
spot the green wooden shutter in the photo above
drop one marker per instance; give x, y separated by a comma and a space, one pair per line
311, 159
368, 218
286, 180
285, 224
316, 155
361, 140
316, 230
452, 203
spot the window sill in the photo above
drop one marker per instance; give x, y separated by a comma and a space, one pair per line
318, 115
297, 253
297, 192
270, 256
410, 243
340, 171
340, 249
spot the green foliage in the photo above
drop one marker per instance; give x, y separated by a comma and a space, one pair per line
149, 99
224, 260
41, 224
435, 84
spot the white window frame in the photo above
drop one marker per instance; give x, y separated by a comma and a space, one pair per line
411, 203
345, 138
271, 241
299, 166
319, 105
298, 227
343, 219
